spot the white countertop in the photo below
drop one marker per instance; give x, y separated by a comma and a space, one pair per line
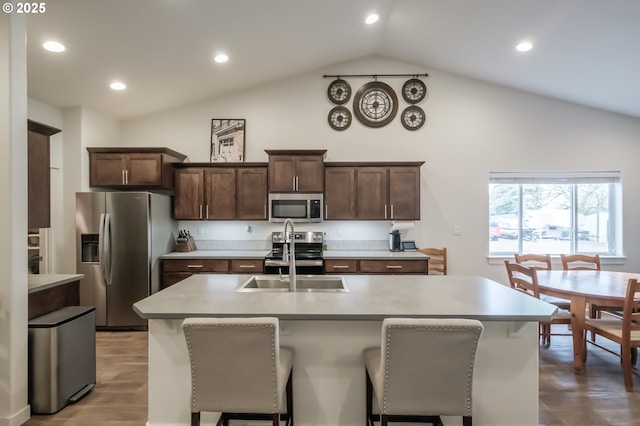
370, 297
373, 254
38, 282
217, 254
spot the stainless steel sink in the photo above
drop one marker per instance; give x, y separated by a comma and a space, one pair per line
305, 283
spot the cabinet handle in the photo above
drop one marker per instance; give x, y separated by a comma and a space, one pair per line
247, 266
296, 183
265, 211
340, 266
391, 211
195, 266
126, 177
385, 211
123, 177
326, 211
200, 211
394, 267
207, 212
293, 183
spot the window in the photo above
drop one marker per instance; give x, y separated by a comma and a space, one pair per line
554, 212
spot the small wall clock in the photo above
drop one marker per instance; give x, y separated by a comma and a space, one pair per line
375, 104
339, 91
414, 91
413, 117
339, 118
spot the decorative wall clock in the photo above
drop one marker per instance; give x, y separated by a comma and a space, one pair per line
413, 117
414, 91
375, 104
339, 118
339, 91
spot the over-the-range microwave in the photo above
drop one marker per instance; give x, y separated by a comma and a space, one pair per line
298, 206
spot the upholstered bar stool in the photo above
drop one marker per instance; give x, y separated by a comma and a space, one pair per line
422, 370
239, 369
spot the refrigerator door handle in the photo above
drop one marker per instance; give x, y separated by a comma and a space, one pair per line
106, 244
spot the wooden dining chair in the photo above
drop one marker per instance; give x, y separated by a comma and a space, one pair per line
437, 260
525, 279
541, 262
625, 331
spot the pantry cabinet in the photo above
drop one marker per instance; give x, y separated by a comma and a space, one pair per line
39, 174
132, 168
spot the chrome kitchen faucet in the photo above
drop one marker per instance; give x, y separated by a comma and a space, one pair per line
290, 256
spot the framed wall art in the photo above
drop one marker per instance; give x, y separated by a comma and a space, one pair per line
227, 140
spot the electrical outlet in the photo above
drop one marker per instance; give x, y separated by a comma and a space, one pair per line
456, 230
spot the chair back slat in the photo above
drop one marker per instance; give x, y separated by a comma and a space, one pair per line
437, 260
537, 261
580, 262
523, 278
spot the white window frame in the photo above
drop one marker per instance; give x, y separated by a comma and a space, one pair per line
614, 178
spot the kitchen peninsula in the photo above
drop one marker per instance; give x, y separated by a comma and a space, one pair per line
329, 330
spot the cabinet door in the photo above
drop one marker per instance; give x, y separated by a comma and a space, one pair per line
107, 169
39, 181
393, 266
188, 200
143, 169
219, 193
246, 266
251, 193
282, 173
309, 173
404, 193
372, 193
340, 193
342, 266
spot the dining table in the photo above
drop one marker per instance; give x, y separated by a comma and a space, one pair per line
582, 287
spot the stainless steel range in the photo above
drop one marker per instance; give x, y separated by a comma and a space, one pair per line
308, 253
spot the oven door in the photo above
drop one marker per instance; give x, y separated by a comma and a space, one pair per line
303, 267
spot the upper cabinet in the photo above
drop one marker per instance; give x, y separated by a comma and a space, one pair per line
132, 168
372, 191
296, 170
39, 174
221, 192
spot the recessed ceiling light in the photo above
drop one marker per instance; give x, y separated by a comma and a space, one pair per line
525, 46
118, 85
221, 58
371, 19
53, 46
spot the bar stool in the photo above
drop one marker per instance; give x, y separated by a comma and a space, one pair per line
422, 370
239, 369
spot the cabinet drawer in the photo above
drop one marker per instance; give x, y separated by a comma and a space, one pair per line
196, 265
342, 266
247, 266
393, 266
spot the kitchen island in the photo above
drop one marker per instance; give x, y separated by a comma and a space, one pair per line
328, 332
48, 292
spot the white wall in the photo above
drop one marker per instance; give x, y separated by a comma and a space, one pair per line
473, 128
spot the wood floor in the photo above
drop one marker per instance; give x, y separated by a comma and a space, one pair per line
594, 398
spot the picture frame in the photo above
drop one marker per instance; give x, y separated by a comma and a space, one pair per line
227, 140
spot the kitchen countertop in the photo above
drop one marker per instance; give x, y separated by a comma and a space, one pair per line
39, 282
370, 297
329, 254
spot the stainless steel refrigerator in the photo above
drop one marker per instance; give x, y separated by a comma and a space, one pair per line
119, 237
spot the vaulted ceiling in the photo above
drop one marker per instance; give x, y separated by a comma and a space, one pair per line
585, 51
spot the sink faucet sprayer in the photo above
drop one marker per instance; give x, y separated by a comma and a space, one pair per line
290, 256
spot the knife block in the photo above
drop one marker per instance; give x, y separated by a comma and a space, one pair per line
190, 245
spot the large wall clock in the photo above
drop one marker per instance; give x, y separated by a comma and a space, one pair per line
375, 104
414, 90
339, 91
339, 118
413, 117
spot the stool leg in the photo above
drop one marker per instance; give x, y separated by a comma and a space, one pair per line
290, 399
275, 419
195, 419
369, 396
466, 421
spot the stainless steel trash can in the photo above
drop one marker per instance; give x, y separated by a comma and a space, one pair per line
62, 358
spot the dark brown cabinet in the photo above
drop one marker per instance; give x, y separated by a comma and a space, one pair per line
220, 193
296, 170
176, 270
134, 168
340, 193
39, 174
372, 191
375, 266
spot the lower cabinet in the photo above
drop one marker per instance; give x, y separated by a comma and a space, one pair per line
176, 270
355, 266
